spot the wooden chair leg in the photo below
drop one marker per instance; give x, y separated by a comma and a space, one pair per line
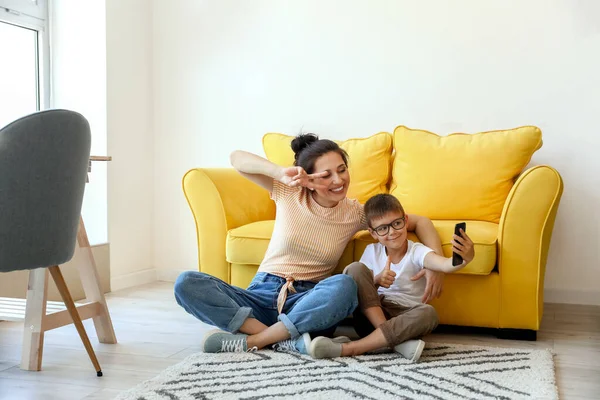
68, 300
90, 280
35, 310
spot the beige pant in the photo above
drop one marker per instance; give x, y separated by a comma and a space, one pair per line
405, 319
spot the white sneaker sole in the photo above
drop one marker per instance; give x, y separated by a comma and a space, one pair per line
307, 341
418, 351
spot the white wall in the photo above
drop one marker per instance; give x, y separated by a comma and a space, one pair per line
78, 53
130, 141
226, 72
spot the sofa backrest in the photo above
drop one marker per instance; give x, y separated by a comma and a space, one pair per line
459, 176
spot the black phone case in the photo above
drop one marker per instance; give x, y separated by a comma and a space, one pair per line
456, 258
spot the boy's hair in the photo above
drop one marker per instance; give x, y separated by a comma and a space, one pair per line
381, 204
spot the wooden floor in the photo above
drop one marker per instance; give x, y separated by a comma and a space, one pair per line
154, 333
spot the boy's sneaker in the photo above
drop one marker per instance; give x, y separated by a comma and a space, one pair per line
299, 345
324, 347
218, 341
341, 339
411, 349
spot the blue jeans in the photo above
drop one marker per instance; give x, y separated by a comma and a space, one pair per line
315, 306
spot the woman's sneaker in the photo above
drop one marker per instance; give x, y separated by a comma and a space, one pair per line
411, 349
218, 341
299, 345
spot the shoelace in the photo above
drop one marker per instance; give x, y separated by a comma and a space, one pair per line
232, 346
285, 345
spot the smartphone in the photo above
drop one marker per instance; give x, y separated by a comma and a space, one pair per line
457, 258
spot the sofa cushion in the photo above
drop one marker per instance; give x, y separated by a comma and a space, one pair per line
369, 159
460, 175
248, 244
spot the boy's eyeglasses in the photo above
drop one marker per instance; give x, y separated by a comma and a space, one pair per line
397, 224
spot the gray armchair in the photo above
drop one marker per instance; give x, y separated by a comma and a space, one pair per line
43, 167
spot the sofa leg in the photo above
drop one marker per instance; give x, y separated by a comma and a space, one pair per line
517, 334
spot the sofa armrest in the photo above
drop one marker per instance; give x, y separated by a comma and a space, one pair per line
221, 199
523, 240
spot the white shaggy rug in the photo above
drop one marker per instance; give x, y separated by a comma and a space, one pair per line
445, 371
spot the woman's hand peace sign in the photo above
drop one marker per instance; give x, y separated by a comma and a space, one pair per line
297, 176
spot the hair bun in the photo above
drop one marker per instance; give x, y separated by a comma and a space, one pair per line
302, 141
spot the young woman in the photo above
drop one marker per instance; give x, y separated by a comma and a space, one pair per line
293, 292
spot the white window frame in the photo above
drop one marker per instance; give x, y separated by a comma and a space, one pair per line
33, 14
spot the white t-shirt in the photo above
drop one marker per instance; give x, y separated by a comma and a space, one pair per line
375, 258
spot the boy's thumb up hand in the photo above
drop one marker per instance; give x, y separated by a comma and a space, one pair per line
386, 277
388, 264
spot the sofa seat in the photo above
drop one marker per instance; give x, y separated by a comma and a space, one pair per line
248, 244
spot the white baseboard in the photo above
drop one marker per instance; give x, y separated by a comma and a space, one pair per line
133, 279
588, 297
168, 274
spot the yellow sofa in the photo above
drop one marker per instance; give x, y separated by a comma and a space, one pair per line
477, 178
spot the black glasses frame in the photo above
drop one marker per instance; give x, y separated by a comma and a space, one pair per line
387, 226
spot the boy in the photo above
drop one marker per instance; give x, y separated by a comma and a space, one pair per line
388, 299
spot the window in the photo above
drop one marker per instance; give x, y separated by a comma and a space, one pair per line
24, 87
75, 31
